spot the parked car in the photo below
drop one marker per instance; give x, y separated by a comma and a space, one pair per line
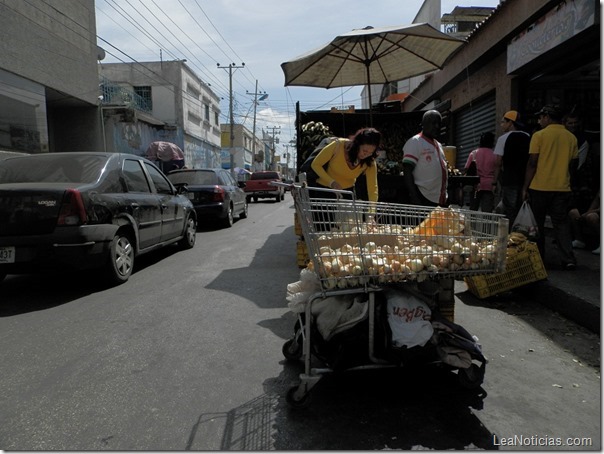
215, 194
87, 210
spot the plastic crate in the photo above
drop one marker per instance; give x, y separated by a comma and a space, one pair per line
523, 268
297, 226
302, 254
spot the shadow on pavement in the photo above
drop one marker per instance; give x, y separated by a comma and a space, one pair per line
368, 410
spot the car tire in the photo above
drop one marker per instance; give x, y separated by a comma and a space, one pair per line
188, 240
243, 213
255, 199
228, 220
121, 258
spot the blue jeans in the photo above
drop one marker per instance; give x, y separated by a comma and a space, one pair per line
557, 205
511, 198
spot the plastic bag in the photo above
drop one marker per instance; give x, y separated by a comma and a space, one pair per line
409, 319
525, 222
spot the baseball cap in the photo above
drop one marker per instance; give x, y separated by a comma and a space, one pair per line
514, 117
550, 109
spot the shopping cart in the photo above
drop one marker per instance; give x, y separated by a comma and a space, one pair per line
359, 247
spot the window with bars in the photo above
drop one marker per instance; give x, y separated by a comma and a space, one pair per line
144, 91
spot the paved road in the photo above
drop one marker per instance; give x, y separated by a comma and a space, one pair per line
187, 356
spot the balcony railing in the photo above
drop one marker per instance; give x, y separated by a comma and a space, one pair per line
114, 94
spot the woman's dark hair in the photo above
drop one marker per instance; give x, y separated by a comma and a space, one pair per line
487, 140
364, 136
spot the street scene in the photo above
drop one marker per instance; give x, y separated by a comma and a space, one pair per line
380, 235
187, 356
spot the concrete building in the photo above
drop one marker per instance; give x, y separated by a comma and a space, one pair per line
48, 76
171, 103
527, 53
247, 154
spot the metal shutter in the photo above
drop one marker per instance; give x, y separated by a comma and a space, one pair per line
470, 123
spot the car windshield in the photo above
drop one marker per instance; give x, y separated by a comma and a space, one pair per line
49, 168
200, 177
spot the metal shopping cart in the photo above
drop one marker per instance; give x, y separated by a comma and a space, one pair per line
360, 248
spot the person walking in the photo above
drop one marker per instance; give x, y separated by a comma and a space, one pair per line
553, 156
485, 168
511, 153
424, 165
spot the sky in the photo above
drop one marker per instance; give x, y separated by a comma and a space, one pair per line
262, 34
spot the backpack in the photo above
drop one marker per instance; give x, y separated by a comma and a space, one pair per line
306, 167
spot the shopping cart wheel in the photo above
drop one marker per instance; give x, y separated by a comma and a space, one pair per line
472, 377
292, 349
295, 400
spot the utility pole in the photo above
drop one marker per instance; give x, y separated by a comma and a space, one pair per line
262, 98
231, 67
275, 130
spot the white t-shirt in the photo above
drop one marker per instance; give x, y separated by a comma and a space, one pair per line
430, 168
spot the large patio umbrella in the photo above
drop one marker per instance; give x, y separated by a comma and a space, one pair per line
372, 56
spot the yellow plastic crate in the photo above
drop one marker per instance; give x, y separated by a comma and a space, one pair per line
521, 269
297, 226
302, 254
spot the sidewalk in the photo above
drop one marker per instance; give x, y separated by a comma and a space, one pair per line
574, 294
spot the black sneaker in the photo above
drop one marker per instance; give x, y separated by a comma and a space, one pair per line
570, 267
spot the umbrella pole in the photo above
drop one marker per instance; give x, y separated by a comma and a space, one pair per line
369, 93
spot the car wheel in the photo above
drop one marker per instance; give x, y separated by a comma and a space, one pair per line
188, 241
121, 259
243, 213
255, 199
228, 220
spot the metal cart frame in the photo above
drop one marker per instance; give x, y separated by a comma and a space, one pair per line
341, 228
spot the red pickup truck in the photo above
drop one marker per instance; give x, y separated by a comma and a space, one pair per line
258, 187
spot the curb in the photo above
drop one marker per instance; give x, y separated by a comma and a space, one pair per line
570, 306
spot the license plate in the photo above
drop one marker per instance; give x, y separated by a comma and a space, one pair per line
7, 254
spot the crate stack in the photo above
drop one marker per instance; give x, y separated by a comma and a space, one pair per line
301, 249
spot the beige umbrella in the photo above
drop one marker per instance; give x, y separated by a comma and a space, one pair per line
372, 56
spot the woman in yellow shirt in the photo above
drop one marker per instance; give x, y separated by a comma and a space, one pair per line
346, 160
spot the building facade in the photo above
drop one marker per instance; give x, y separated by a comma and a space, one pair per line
171, 103
527, 53
48, 76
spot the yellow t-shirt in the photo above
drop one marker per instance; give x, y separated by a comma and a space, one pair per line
556, 147
338, 170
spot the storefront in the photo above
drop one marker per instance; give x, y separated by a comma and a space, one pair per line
526, 54
557, 61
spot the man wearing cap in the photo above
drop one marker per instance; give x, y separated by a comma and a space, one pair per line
511, 152
553, 156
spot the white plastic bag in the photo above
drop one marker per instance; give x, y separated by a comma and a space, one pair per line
409, 319
525, 222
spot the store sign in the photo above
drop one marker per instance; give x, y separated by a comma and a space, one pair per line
560, 24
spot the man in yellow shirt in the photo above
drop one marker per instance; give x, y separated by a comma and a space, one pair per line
553, 155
